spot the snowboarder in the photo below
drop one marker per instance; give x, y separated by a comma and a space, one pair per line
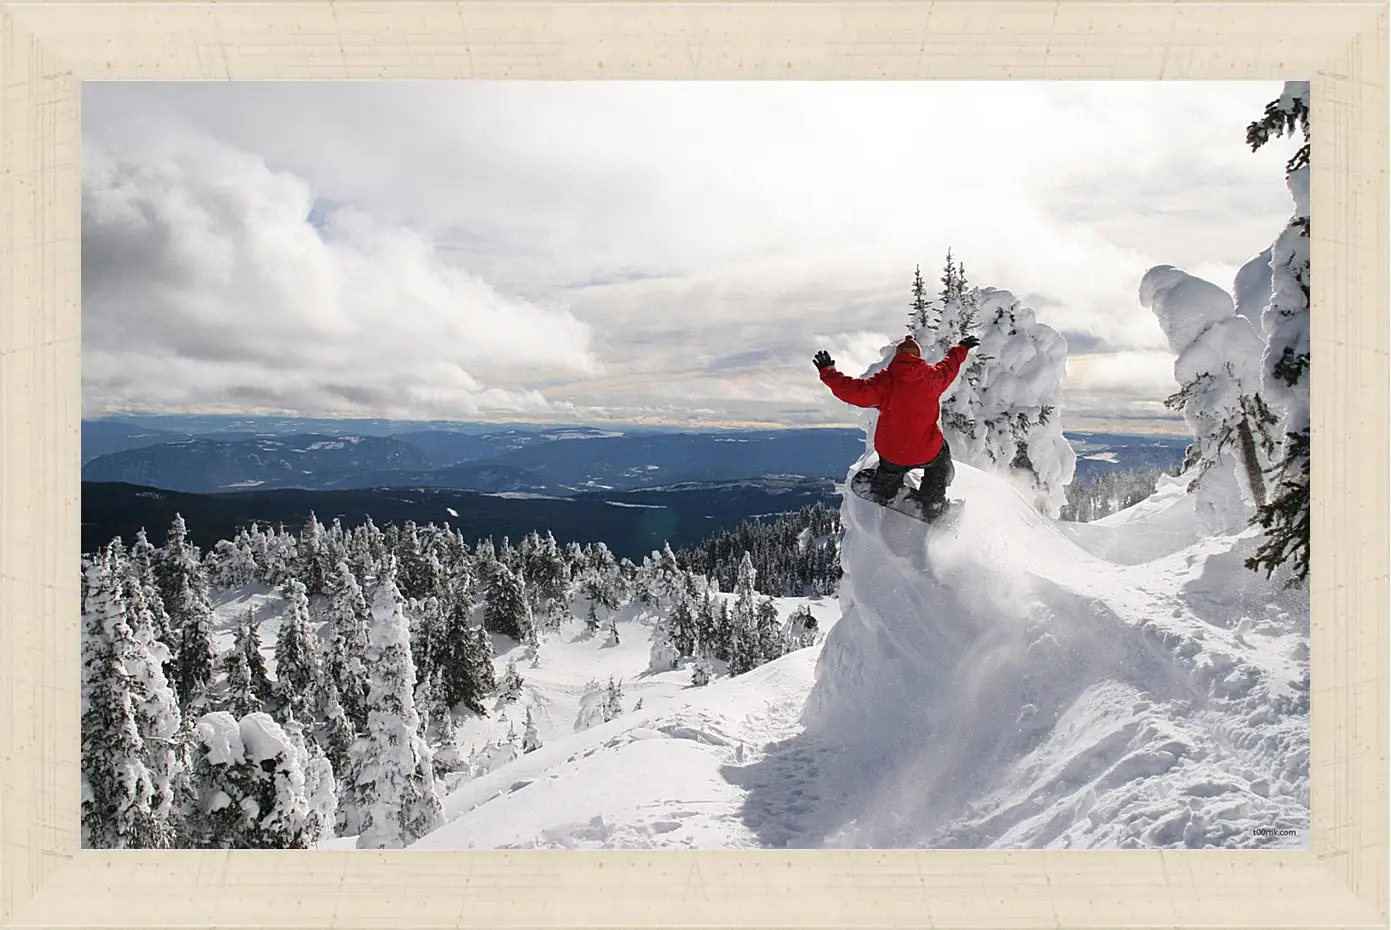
908, 394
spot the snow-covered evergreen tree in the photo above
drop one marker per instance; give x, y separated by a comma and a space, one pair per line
394, 772
1285, 362
338, 735
700, 674
594, 706
801, 628
685, 631
118, 803
232, 562
922, 316
466, 663
1218, 371
507, 611
771, 637
1002, 413
240, 696
510, 688
348, 619
547, 578
297, 674
143, 559
531, 741
184, 592
313, 557
449, 754
156, 705
601, 584
663, 655
744, 646
320, 786
427, 642
249, 784
613, 700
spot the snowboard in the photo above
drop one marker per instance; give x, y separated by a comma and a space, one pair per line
902, 503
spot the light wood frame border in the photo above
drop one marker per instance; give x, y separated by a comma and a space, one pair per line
48, 48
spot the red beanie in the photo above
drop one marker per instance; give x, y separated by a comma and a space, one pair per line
909, 344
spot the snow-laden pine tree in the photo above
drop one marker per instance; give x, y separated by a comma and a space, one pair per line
663, 655
669, 579
320, 786
921, 317
745, 651
219, 783
510, 688
427, 645
156, 705
466, 665
118, 802
801, 628
183, 589
313, 556
229, 566
594, 706
682, 624
507, 611
394, 772
1218, 372
239, 696
143, 559
601, 583
449, 752
249, 783
1002, 413
1285, 362
771, 637
338, 735
531, 741
547, 577
297, 674
613, 700
700, 674
321, 793
348, 619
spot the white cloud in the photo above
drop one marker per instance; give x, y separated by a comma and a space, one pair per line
598, 244
210, 282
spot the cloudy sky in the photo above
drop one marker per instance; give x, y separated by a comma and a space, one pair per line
662, 252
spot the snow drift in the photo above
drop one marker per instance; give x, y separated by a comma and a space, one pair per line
1008, 685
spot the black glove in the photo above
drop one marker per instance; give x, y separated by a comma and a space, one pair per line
970, 342
823, 359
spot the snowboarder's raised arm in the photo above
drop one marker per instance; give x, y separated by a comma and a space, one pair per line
946, 370
862, 392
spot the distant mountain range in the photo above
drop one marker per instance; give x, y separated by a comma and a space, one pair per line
563, 461
628, 488
1099, 453
551, 460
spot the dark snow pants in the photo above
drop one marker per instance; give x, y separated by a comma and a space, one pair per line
937, 475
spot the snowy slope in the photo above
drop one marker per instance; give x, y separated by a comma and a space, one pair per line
1014, 685
1007, 686
673, 775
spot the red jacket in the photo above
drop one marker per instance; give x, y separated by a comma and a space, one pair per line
908, 394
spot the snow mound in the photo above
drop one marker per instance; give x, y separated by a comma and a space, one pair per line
1005, 684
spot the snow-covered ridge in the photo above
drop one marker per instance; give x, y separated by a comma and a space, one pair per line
1023, 683
1008, 686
